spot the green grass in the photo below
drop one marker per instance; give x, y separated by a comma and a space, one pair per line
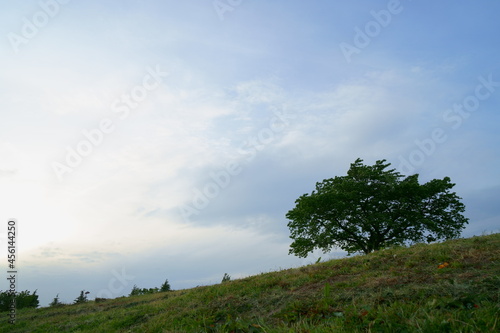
394, 290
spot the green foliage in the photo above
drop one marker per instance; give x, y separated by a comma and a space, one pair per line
226, 278
135, 291
82, 298
144, 291
23, 299
56, 302
165, 286
373, 208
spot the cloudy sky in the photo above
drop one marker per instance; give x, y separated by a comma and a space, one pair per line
150, 140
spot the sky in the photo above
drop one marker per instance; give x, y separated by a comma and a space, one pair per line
150, 140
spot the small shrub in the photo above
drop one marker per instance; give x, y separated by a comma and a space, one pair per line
56, 302
135, 291
165, 286
226, 278
100, 300
138, 291
82, 298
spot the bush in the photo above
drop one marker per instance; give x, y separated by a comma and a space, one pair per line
135, 291
23, 299
165, 286
100, 299
226, 278
82, 298
56, 302
138, 291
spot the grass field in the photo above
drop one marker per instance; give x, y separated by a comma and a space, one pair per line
452, 286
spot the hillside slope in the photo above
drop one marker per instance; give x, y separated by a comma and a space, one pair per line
445, 287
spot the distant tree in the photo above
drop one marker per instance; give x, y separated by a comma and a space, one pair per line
226, 278
372, 208
82, 298
56, 302
138, 291
150, 290
135, 291
6, 299
165, 286
23, 299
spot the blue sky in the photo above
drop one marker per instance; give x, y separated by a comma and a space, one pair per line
146, 140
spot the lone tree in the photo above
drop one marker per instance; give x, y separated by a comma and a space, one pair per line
372, 208
165, 286
82, 298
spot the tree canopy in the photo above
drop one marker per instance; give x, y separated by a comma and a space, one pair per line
374, 207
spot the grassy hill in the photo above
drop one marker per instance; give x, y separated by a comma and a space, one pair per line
446, 287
